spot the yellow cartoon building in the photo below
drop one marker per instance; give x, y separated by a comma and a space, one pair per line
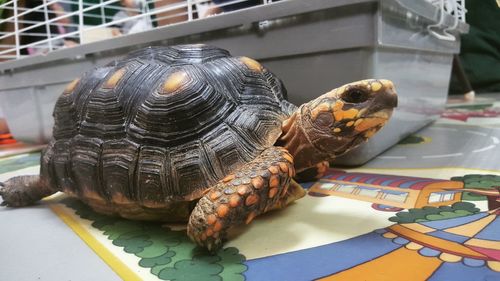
398, 191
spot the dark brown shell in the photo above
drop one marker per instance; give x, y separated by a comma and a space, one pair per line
126, 132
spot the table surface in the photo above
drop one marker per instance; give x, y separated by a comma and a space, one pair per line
37, 244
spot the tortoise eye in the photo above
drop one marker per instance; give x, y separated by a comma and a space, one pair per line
355, 96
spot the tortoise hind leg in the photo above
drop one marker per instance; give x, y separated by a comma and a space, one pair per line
23, 190
258, 187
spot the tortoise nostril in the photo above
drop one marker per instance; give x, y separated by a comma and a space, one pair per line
355, 96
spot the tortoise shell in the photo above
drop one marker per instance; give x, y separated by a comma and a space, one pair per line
162, 125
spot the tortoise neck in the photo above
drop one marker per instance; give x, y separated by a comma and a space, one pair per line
298, 143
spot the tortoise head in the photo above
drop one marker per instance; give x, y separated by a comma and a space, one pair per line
338, 121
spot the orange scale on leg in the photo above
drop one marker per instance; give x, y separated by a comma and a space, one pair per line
252, 199
222, 211
215, 195
211, 219
258, 182
274, 170
274, 181
283, 167
250, 217
272, 192
218, 226
234, 200
242, 190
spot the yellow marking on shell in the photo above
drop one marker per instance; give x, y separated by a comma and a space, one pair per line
71, 86
93, 195
350, 123
174, 82
337, 130
115, 78
153, 204
251, 64
368, 123
376, 86
357, 122
449, 257
119, 198
324, 107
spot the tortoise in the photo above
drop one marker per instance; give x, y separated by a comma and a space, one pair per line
191, 133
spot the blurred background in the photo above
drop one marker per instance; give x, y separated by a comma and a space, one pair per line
429, 48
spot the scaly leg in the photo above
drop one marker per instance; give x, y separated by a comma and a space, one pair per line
258, 187
23, 190
314, 173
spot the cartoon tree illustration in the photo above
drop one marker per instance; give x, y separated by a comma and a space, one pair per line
493, 195
168, 254
477, 181
429, 213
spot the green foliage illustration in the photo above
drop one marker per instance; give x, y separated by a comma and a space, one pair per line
169, 254
479, 182
428, 213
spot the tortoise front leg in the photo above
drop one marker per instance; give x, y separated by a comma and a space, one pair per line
313, 174
259, 186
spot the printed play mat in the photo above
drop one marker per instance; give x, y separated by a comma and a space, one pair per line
427, 209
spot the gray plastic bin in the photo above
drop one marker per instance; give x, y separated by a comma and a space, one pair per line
312, 45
